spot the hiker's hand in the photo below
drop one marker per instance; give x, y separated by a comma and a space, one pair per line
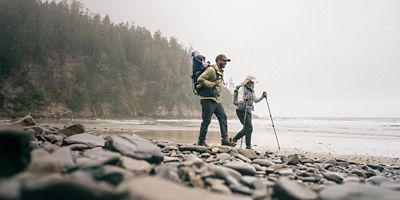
218, 82
264, 94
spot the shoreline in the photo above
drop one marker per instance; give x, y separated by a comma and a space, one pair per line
356, 158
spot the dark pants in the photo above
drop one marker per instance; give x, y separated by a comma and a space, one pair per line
247, 126
208, 108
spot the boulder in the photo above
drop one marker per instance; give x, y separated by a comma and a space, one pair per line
49, 147
242, 167
205, 155
304, 160
144, 189
14, 151
224, 156
225, 173
9, 188
263, 162
249, 153
135, 147
97, 157
356, 191
288, 189
170, 148
87, 139
220, 149
333, 176
112, 174
72, 130
259, 167
168, 173
43, 163
139, 167
377, 180
377, 167
58, 187
217, 185
359, 172
285, 172
25, 121
293, 159
196, 148
168, 159
103, 155
243, 158
249, 181
241, 189
54, 139
351, 179
193, 160
78, 146
64, 156
393, 185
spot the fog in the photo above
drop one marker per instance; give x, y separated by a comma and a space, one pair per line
331, 58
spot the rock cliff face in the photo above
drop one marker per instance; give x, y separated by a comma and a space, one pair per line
25, 92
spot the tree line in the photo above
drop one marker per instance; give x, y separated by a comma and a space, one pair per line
60, 56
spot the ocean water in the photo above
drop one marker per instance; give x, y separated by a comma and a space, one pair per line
348, 136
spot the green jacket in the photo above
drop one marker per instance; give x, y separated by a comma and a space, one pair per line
208, 78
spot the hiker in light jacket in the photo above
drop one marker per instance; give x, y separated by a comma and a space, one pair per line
243, 100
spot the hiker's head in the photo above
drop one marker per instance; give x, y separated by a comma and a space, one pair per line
221, 60
250, 80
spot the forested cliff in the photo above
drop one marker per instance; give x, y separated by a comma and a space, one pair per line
59, 59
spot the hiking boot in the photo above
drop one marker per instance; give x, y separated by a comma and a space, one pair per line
199, 143
233, 140
248, 147
227, 141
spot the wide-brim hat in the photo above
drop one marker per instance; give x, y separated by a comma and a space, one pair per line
251, 78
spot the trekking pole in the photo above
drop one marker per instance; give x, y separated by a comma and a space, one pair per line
272, 121
244, 122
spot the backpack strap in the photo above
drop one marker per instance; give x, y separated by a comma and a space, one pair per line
218, 75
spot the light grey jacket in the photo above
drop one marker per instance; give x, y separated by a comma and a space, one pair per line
249, 97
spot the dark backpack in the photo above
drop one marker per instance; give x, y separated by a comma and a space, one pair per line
199, 65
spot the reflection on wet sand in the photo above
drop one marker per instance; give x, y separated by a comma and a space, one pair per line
176, 136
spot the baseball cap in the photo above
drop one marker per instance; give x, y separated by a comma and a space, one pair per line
222, 57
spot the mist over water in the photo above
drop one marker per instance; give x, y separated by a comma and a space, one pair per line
330, 58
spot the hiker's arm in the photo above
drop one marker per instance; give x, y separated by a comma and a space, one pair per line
264, 94
203, 78
235, 96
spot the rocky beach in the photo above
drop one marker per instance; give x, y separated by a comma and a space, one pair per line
40, 161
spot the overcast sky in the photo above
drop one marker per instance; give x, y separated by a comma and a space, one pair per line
321, 58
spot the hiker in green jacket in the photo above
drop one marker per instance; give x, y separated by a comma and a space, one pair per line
212, 80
